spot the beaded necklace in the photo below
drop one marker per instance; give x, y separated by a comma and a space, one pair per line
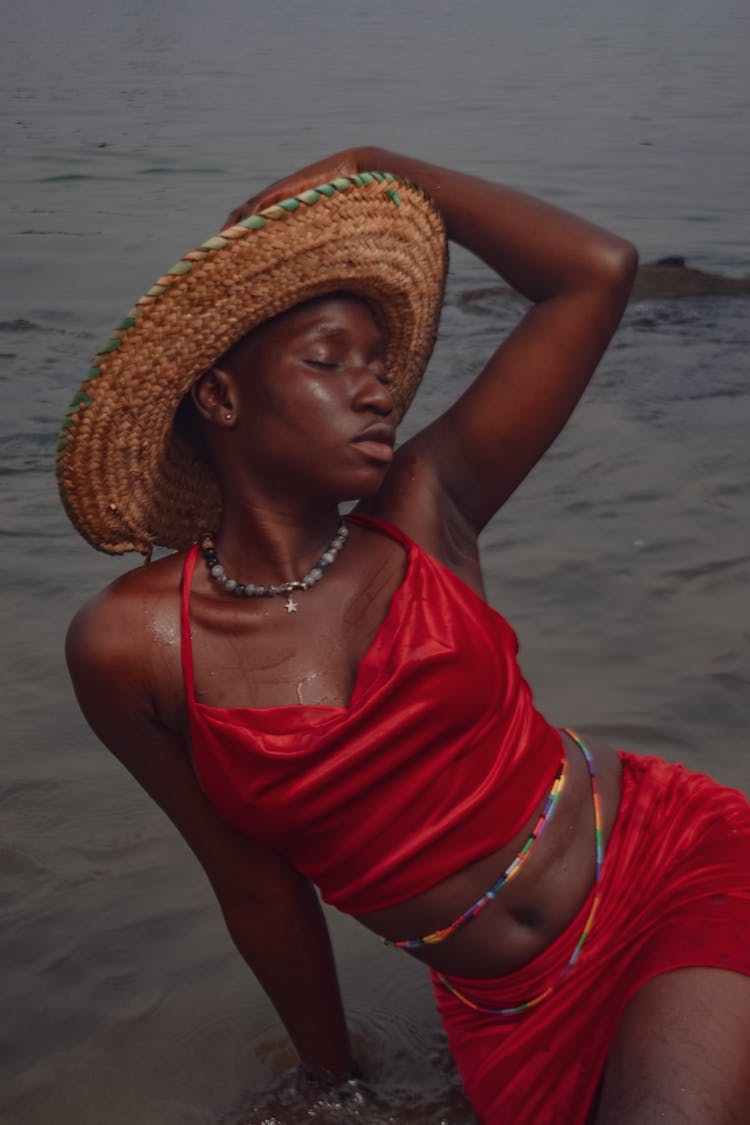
249, 590
533, 1003
510, 872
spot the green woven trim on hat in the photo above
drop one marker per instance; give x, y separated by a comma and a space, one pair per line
80, 398
215, 243
309, 197
275, 211
111, 345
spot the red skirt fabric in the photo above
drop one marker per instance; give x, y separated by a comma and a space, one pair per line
676, 894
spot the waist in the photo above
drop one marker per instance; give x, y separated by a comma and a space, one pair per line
529, 913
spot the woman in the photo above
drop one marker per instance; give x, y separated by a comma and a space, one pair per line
333, 701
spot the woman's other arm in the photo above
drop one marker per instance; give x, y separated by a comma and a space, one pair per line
272, 912
578, 277
467, 463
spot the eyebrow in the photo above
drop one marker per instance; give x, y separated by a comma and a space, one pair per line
333, 332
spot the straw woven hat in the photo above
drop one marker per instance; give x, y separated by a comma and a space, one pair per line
127, 479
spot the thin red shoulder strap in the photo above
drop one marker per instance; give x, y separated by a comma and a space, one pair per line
186, 641
385, 526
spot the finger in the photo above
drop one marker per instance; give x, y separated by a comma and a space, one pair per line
240, 213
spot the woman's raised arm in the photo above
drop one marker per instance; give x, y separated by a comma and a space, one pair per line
272, 912
577, 275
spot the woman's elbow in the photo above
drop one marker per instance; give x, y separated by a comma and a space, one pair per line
617, 264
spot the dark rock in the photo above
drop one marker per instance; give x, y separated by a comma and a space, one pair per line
664, 280
671, 278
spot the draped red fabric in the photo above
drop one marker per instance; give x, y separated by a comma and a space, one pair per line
676, 893
438, 760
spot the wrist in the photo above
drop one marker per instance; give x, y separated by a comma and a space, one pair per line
371, 158
326, 1077
348, 1087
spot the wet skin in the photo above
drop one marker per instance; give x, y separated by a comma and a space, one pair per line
311, 420
287, 452
314, 419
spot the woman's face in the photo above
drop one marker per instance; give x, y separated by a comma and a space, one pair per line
314, 411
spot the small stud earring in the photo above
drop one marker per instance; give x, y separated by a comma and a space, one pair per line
228, 417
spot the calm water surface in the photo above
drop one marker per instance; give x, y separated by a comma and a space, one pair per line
624, 561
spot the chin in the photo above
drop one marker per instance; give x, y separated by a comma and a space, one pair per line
366, 486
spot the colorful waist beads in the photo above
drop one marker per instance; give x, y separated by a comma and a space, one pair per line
510, 872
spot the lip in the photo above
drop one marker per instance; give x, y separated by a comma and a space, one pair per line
376, 442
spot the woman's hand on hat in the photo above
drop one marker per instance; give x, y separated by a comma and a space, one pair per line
343, 163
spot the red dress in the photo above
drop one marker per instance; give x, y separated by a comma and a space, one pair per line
438, 760
675, 894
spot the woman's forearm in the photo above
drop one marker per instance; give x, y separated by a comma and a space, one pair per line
286, 944
539, 249
578, 277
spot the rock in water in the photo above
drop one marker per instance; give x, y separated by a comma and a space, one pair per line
664, 280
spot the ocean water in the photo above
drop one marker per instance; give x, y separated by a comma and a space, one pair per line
128, 132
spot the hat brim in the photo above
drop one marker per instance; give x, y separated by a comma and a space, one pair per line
127, 479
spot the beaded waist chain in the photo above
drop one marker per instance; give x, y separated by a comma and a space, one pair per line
510, 872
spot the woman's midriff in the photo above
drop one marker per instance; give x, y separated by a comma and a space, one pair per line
532, 910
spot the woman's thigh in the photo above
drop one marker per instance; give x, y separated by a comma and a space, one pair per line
681, 1053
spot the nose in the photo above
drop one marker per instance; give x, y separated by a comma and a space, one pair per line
372, 393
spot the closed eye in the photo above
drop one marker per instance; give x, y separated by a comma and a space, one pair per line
381, 374
325, 366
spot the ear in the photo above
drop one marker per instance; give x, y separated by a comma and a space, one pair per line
215, 397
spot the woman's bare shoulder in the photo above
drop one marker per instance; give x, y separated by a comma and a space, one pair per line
125, 622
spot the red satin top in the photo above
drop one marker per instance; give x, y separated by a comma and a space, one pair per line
439, 759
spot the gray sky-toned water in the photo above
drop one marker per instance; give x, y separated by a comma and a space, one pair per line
128, 131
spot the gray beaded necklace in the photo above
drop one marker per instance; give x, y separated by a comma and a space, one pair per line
248, 590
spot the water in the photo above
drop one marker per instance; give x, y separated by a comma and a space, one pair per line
128, 132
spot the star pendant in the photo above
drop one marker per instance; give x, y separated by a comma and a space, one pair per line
290, 605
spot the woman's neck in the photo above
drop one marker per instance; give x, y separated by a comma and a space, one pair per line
277, 543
